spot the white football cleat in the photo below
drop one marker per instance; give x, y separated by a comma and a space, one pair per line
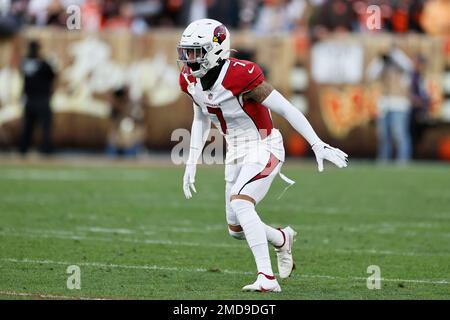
264, 283
284, 253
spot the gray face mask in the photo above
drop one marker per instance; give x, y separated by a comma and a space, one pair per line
194, 59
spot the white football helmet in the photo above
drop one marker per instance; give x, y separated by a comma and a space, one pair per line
204, 43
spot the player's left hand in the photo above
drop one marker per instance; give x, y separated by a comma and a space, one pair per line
189, 180
334, 155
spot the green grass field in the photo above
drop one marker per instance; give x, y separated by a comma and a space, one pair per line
134, 236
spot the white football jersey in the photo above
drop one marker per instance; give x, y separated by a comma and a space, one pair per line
246, 125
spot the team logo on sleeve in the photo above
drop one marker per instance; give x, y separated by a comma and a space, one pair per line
220, 34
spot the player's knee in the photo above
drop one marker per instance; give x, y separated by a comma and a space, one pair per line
236, 232
235, 227
239, 205
242, 206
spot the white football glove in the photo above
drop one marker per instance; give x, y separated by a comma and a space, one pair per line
188, 180
334, 155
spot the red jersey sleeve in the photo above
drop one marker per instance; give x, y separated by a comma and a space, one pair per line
242, 76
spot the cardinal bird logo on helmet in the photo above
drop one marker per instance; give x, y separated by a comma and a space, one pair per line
220, 34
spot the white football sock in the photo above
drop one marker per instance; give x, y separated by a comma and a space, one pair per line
255, 234
276, 237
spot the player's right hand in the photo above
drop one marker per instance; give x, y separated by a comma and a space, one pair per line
189, 180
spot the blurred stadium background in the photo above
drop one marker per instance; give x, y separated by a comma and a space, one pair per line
131, 44
117, 86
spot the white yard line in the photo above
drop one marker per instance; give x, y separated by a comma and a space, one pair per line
365, 228
107, 230
68, 235
389, 252
46, 296
218, 228
369, 228
192, 270
57, 235
122, 266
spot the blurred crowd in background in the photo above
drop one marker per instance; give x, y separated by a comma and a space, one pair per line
408, 87
318, 16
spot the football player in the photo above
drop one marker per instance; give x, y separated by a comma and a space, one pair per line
234, 96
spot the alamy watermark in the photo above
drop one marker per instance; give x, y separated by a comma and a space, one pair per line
74, 280
374, 280
373, 21
73, 21
238, 142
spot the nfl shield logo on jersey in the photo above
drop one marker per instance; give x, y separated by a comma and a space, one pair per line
210, 96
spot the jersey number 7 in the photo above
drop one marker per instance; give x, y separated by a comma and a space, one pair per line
219, 115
